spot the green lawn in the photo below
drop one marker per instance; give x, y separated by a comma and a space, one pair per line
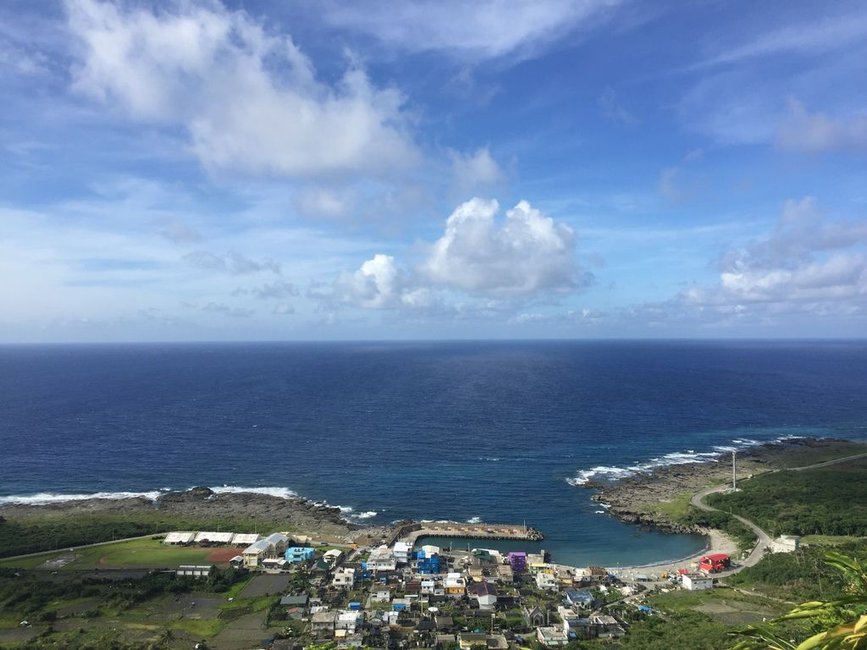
133, 554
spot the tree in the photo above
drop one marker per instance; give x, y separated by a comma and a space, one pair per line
839, 624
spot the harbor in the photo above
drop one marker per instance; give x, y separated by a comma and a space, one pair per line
412, 532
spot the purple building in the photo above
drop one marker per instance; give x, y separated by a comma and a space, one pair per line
518, 561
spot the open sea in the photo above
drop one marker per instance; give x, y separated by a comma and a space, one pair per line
497, 431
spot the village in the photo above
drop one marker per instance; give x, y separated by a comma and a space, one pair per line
404, 593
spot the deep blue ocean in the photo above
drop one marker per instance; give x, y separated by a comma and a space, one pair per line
502, 431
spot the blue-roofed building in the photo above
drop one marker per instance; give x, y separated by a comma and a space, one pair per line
428, 565
298, 554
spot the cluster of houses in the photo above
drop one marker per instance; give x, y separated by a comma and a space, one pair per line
400, 596
397, 596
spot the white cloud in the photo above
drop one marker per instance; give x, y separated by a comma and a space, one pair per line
499, 266
248, 99
820, 35
321, 202
475, 171
481, 29
232, 262
528, 253
807, 264
220, 308
816, 132
612, 109
379, 284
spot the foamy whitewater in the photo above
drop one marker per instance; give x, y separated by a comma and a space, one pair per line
458, 431
611, 473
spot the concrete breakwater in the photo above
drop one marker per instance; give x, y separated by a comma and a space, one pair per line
412, 532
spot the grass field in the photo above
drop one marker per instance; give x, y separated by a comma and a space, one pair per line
134, 554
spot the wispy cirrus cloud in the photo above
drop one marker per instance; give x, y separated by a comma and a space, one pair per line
806, 36
477, 30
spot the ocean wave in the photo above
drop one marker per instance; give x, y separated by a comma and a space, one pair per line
474, 520
368, 514
43, 498
615, 473
282, 492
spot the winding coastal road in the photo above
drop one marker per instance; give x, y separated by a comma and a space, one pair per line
763, 539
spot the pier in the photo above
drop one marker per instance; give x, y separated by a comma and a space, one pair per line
411, 533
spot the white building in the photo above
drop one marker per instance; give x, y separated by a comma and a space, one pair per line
697, 582
332, 556
485, 593
455, 584
401, 552
381, 559
551, 636
348, 621
343, 577
214, 537
180, 537
547, 581
272, 546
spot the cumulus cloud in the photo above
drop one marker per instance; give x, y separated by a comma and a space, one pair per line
497, 266
248, 99
380, 284
808, 263
817, 132
233, 263
526, 254
481, 29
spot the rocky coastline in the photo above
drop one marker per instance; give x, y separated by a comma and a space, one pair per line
200, 503
641, 499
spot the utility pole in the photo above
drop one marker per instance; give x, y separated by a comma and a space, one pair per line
734, 471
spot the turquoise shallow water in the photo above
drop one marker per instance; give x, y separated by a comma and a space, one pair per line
501, 431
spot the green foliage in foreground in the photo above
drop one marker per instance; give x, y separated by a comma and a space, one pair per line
685, 629
837, 624
798, 576
49, 533
826, 501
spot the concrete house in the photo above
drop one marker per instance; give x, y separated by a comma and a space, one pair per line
299, 554
696, 582
272, 547
484, 593
343, 577
381, 559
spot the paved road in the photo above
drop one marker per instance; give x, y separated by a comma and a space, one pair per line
827, 462
764, 540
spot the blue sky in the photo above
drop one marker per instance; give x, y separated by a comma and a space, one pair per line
255, 169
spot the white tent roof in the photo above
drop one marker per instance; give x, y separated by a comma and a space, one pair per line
243, 539
220, 538
179, 537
